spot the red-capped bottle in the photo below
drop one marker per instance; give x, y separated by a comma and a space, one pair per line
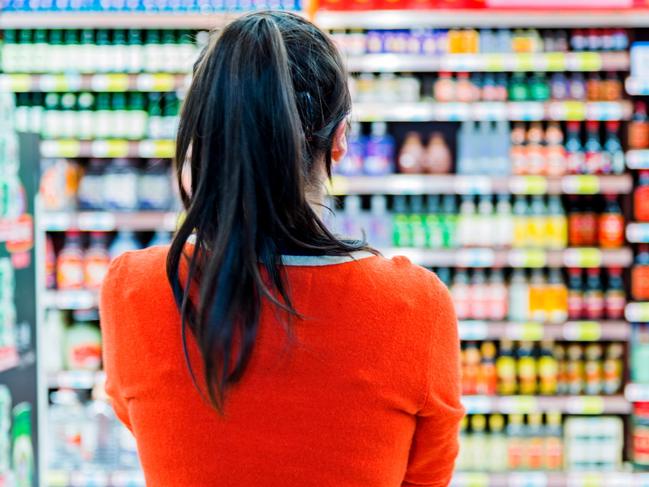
611, 224
615, 295
575, 294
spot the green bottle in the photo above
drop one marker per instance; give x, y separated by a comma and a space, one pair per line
56, 57
417, 220
153, 55
52, 117
103, 52
449, 221
103, 116
10, 52
401, 235
70, 50
170, 116
186, 51
22, 448
69, 116
170, 61
137, 117
86, 125
119, 49
25, 55
120, 116
518, 90
433, 224
88, 62
40, 51
36, 113
135, 58
539, 87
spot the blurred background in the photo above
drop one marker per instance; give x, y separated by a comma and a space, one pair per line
502, 143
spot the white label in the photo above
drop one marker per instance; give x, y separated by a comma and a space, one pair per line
473, 330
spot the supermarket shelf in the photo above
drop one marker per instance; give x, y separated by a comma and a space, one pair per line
637, 86
550, 479
398, 184
108, 148
535, 331
114, 20
637, 159
541, 62
111, 82
106, 221
637, 392
637, 312
637, 232
72, 299
99, 478
531, 404
452, 18
75, 379
584, 257
430, 111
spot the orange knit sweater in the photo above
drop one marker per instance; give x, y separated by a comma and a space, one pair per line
364, 392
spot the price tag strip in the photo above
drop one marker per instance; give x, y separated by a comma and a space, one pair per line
157, 148
473, 330
637, 392
589, 331
586, 257
637, 232
78, 299
637, 159
637, 312
61, 148
475, 258
527, 479
531, 331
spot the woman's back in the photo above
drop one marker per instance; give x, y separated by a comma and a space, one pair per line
361, 391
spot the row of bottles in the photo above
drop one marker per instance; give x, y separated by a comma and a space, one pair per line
72, 344
546, 368
76, 267
539, 296
484, 41
484, 221
538, 442
100, 51
87, 116
114, 184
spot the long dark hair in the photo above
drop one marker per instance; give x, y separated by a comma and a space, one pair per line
266, 99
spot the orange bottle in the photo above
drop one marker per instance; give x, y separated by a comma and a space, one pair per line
488, 377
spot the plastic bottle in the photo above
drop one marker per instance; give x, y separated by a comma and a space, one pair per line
555, 153
506, 369
411, 155
137, 117
104, 119
536, 163
433, 221
99, 445
134, 51
450, 221
154, 187
155, 128
559, 352
556, 224
518, 150
536, 442
120, 191
496, 449
478, 297
90, 192
615, 295
641, 197
96, 261
594, 295
575, 370
575, 157
538, 296
379, 222
577, 87
539, 87
640, 274
559, 88
83, 347
518, 88
556, 298
65, 420
504, 223
593, 87
593, 370
497, 296
639, 356
50, 264
465, 455
638, 128
593, 162
548, 369
416, 221
54, 330
170, 118
467, 222
515, 435
353, 224
437, 158
69, 116
380, 151
613, 155
520, 222
69, 263
86, 116
444, 88
480, 441
519, 297
537, 223
488, 375
611, 224
467, 156
460, 292
554, 442
125, 241
576, 305
484, 229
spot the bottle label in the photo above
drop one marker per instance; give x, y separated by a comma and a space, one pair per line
594, 305
70, 273
575, 163
95, 270
611, 230
615, 304
575, 305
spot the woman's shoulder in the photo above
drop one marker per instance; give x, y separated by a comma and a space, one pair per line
404, 276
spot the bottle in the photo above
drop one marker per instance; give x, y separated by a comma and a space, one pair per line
615, 295
99, 442
575, 157
54, 329
52, 119
154, 187
434, 222
538, 296
90, 192
12, 52
470, 369
104, 118
96, 261
594, 295
518, 150
379, 222
556, 298
480, 441
449, 222
124, 242
640, 274
577, 87
50, 264
555, 152
575, 370
638, 128
460, 292
488, 375
411, 154
353, 222
137, 117
497, 296
352, 163
86, 116
641, 197
467, 156
437, 158
516, 442
154, 58
548, 369
553, 442
506, 369
536, 442
56, 59
593, 87
611, 224
87, 52
559, 353
521, 222
417, 222
582, 225
559, 88
478, 296
485, 222
444, 89
611, 88
170, 118
537, 222
83, 347
69, 264
464, 89
134, 51
401, 234
120, 191
613, 153
519, 297
380, 151
518, 88
593, 149
576, 305
496, 449
69, 116
556, 224
155, 128
593, 370
536, 163
467, 222
504, 224
539, 89
465, 455
613, 368
65, 420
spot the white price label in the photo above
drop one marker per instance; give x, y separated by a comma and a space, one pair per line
80, 299
519, 404
99, 221
453, 112
475, 258
57, 221
489, 111
477, 404
473, 330
637, 159
637, 312
473, 185
637, 232
528, 479
637, 392
526, 111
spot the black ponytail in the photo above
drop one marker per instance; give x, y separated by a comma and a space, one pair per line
267, 96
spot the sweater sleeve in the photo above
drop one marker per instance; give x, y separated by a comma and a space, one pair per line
113, 312
435, 443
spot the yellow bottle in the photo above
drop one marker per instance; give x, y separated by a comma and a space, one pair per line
556, 224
